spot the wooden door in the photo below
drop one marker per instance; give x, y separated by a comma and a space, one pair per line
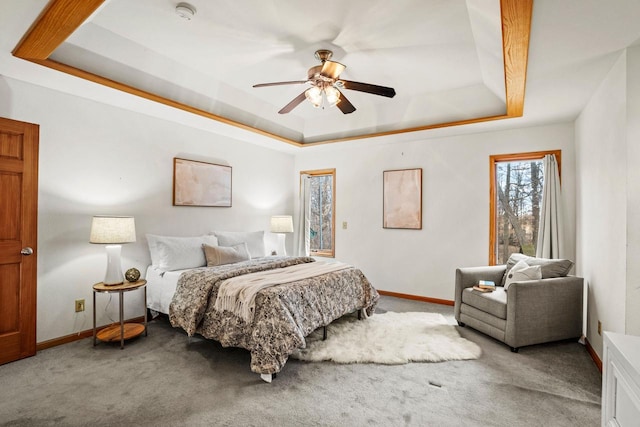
18, 237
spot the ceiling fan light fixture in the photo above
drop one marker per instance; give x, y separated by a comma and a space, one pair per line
314, 95
332, 94
326, 86
185, 11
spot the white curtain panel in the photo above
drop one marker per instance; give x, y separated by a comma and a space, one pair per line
551, 242
302, 246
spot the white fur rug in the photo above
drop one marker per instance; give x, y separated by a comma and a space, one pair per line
389, 338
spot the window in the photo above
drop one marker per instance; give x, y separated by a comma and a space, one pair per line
517, 181
322, 212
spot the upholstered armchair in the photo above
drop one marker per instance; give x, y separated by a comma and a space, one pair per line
529, 311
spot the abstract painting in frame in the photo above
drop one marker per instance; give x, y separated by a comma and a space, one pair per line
402, 199
197, 183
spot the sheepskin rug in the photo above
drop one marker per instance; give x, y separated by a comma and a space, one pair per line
389, 338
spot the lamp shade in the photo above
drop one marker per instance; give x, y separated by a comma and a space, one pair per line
112, 230
281, 224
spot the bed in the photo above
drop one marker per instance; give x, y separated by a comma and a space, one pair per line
282, 316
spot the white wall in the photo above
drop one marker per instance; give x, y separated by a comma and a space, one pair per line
455, 217
97, 159
632, 323
601, 203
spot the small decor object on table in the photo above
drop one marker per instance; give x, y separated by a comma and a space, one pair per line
132, 275
485, 286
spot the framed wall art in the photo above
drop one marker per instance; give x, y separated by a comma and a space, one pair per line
402, 199
197, 183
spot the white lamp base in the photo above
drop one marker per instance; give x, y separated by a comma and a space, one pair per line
282, 250
114, 274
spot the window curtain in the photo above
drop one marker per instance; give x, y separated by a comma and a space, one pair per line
303, 243
551, 242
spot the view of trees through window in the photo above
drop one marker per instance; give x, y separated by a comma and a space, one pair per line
519, 196
321, 219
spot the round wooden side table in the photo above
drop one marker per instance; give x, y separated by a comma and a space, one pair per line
122, 331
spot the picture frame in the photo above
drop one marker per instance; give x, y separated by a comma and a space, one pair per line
197, 183
402, 199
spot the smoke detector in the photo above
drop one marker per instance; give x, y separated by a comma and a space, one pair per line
185, 11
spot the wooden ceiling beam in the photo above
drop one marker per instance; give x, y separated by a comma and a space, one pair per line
516, 29
57, 22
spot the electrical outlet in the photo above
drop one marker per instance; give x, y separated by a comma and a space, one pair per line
599, 327
79, 305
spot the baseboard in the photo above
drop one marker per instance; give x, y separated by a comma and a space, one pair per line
593, 354
78, 336
416, 297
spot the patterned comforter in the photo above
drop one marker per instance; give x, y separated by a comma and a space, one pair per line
284, 314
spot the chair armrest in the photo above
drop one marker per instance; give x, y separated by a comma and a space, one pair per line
544, 310
469, 276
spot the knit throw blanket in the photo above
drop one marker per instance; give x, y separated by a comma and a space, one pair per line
238, 294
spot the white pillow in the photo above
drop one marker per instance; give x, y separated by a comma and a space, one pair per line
253, 239
177, 253
522, 272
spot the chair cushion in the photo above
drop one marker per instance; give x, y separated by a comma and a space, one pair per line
550, 267
494, 303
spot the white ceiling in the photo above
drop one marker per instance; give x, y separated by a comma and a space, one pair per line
212, 61
443, 57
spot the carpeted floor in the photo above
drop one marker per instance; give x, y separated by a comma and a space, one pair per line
166, 379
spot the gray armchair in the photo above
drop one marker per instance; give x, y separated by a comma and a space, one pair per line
531, 312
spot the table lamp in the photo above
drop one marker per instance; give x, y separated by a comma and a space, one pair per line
281, 224
113, 231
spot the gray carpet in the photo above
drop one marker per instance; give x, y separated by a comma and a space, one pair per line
166, 379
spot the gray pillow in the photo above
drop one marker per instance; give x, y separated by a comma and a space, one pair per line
550, 267
217, 255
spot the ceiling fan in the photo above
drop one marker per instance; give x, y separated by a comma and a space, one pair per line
326, 85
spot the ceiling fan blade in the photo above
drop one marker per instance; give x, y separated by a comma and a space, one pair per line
295, 82
293, 104
369, 88
332, 69
344, 105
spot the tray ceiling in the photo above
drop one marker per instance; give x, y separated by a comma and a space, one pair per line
443, 57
